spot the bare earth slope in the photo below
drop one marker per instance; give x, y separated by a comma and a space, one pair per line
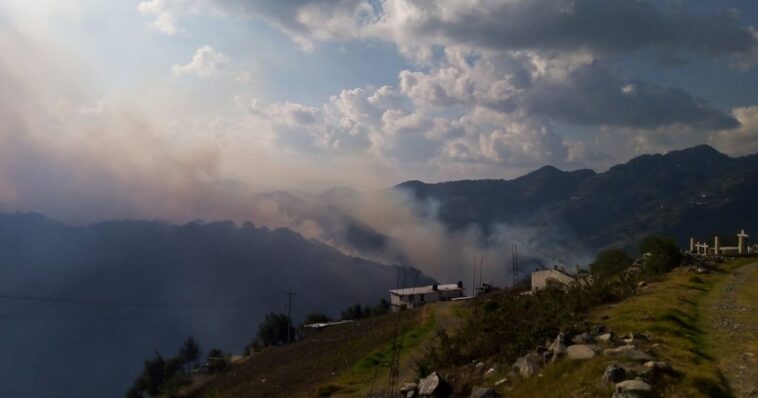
733, 324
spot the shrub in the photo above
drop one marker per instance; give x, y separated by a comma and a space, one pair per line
664, 254
610, 262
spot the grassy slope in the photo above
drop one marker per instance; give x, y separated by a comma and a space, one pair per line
672, 312
297, 369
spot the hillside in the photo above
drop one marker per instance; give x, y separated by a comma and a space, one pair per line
699, 327
109, 293
696, 191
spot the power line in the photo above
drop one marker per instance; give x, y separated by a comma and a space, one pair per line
64, 300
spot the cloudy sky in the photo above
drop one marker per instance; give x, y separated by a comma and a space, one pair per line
110, 107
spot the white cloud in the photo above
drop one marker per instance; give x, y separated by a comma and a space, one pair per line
206, 63
743, 140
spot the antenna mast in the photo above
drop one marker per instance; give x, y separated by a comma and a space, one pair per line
514, 271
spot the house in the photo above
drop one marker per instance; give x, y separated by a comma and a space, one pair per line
551, 278
420, 295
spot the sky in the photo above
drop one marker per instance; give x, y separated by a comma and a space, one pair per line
176, 108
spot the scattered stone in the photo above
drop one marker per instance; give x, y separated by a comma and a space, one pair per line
606, 337
642, 284
489, 372
658, 365
483, 392
528, 365
479, 365
409, 387
599, 329
613, 374
501, 382
635, 338
429, 384
581, 351
583, 338
634, 387
629, 352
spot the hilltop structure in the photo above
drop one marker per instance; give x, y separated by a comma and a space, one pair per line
556, 278
420, 295
703, 249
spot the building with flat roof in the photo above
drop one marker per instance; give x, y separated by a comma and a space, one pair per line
415, 296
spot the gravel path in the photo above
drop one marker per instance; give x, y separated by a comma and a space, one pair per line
734, 321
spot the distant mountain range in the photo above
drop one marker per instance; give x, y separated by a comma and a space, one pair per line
92, 302
692, 192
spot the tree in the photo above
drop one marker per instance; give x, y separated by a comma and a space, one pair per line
274, 329
610, 262
316, 317
382, 308
664, 254
216, 360
189, 353
353, 312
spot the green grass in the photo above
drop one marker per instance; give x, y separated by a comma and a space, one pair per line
373, 368
672, 311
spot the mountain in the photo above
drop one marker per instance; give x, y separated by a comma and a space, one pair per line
692, 192
89, 303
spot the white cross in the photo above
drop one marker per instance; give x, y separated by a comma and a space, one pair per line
741, 241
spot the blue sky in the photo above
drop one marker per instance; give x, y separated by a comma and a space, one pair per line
168, 95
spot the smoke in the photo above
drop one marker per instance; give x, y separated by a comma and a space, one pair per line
70, 155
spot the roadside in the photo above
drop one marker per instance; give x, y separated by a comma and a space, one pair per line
731, 324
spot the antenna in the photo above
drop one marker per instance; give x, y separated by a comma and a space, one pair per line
515, 265
289, 315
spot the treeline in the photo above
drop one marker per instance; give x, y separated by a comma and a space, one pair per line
165, 375
277, 329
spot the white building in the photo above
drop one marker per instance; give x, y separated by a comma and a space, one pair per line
551, 278
420, 295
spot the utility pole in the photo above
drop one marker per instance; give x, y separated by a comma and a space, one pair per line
289, 315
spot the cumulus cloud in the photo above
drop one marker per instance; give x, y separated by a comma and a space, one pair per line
592, 95
206, 63
601, 26
743, 140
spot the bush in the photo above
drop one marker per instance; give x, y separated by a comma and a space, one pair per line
664, 254
274, 330
610, 262
506, 324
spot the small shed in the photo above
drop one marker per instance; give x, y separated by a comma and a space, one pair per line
420, 295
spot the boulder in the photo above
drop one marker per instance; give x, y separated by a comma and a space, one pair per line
483, 392
629, 352
429, 384
636, 338
408, 387
613, 374
528, 365
581, 351
634, 387
599, 329
658, 365
606, 337
500, 382
583, 338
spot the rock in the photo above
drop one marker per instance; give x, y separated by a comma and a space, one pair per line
658, 365
613, 374
501, 382
634, 387
606, 337
429, 384
528, 365
489, 372
642, 284
483, 392
581, 351
583, 338
408, 387
635, 338
479, 365
599, 329
629, 352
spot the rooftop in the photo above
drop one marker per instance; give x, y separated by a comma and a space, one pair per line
425, 289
